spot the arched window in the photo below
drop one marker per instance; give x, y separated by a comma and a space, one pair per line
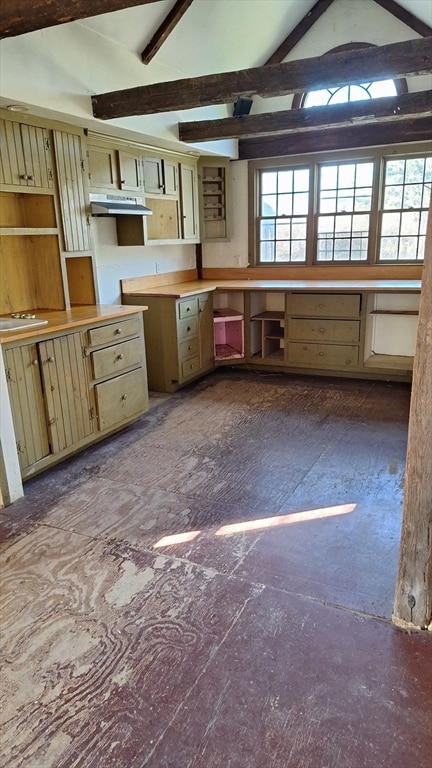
346, 93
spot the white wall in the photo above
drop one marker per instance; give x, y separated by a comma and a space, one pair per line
114, 262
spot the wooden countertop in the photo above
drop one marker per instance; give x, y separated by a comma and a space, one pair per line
182, 290
61, 320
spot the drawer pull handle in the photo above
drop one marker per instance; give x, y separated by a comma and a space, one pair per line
188, 309
322, 330
25, 177
321, 306
188, 328
321, 354
50, 359
120, 356
51, 421
124, 397
118, 331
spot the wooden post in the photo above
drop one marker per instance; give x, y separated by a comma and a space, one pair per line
413, 597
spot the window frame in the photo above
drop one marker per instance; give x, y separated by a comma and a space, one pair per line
313, 160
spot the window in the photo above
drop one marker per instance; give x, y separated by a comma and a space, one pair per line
346, 93
367, 209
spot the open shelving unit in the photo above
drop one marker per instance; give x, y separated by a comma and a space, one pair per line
391, 330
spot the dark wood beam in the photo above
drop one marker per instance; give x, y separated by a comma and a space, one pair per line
411, 21
410, 57
165, 29
374, 134
413, 594
370, 110
20, 16
299, 31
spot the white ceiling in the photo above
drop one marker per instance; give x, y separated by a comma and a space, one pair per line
58, 69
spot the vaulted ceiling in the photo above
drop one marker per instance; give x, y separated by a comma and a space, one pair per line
198, 54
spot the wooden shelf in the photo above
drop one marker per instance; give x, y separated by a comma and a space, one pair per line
395, 362
269, 315
28, 231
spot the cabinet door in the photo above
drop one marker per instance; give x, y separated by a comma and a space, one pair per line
70, 172
103, 168
26, 158
28, 413
130, 171
153, 175
67, 393
170, 173
189, 218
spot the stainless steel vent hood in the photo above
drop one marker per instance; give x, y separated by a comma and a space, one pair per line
116, 205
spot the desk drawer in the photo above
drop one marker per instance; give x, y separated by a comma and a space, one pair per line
323, 355
188, 348
324, 330
121, 398
190, 367
324, 305
115, 359
187, 328
104, 334
187, 308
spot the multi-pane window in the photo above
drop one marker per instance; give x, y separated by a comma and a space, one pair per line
407, 185
363, 209
344, 206
284, 207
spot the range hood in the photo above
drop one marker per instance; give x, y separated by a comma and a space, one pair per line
116, 205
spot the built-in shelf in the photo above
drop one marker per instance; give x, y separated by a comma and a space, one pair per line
28, 231
228, 328
395, 362
394, 312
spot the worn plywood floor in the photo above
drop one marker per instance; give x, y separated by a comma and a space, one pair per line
212, 588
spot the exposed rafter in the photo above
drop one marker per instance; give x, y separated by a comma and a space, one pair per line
406, 17
303, 142
392, 108
20, 16
410, 57
299, 31
165, 29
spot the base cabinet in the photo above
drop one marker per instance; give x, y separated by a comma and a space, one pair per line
178, 337
74, 388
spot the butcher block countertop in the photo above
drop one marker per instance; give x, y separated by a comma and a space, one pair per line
189, 288
64, 320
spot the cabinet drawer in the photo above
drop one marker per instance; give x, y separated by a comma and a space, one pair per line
187, 308
324, 305
190, 367
321, 355
116, 358
324, 330
113, 332
187, 328
121, 398
188, 348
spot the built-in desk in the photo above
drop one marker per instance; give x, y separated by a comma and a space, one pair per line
357, 328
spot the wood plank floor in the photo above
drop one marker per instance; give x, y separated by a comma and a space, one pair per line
213, 587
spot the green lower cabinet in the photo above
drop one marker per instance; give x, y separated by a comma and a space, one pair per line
178, 337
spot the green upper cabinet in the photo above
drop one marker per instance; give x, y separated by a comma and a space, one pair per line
71, 174
103, 171
130, 167
189, 202
26, 157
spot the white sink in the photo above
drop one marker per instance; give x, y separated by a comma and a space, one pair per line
16, 324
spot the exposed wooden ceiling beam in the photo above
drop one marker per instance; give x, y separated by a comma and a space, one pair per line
299, 31
371, 135
410, 57
20, 16
165, 29
387, 108
411, 21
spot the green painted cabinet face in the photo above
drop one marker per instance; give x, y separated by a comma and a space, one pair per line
73, 195
26, 157
26, 396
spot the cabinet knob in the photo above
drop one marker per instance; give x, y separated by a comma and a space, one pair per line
321, 354
321, 330
320, 306
26, 177
120, 356
35, 362
188, 328
50, 359
51, 421
124, 397
118, 331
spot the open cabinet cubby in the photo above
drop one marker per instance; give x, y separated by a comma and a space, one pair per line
228, 326
391, 331
267, 326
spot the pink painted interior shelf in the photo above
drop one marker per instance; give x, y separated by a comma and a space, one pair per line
228, 334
